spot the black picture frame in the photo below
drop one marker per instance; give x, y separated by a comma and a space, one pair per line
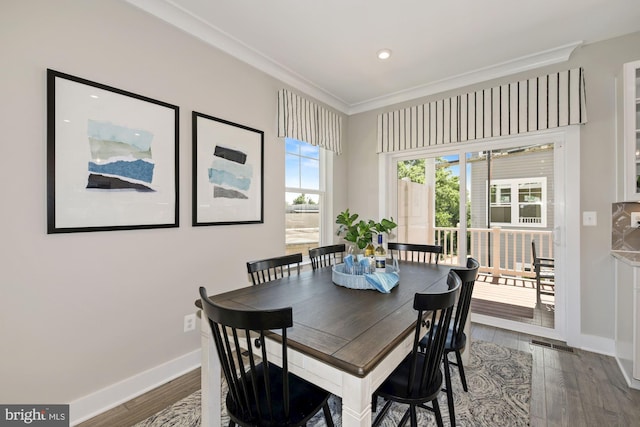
112, 158
228, 172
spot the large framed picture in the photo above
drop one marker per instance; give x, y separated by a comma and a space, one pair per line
112, 158
228, 175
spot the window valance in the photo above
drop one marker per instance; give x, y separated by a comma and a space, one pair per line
539, 103
304, 120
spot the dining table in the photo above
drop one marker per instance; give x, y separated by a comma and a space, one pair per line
345, 340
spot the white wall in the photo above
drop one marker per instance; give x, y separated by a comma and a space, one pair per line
602, 62
77, 313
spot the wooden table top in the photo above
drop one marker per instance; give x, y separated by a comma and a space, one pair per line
352, 330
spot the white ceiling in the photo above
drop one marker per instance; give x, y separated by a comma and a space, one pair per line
327, 48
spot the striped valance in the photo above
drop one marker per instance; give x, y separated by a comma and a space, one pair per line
304, 120
545, 102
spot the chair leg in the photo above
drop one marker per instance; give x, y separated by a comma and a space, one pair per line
413, 415
382, 413
436, 409
463, 378
405, 418
447, 377
538, 300
327, 414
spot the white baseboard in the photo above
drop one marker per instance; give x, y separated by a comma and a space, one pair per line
597, 344
590, 343
512, 325
627, 373
109, 397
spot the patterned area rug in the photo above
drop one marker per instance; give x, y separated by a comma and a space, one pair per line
499, 381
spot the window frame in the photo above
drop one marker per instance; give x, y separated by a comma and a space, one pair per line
325, 185
514, 203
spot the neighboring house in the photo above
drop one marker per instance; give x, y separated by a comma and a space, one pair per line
521, 189
520, 201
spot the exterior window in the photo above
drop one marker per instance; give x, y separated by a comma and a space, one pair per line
527, 209
304, 196
501, 203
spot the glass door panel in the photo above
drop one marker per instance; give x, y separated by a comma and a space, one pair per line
512, 204
428, 203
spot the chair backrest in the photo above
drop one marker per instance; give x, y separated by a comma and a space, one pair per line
533, 251
326, 256
250, 389
434, 311
266, 270
468, 277
415, 252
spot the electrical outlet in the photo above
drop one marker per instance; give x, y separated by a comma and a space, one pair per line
635, 219
189, 322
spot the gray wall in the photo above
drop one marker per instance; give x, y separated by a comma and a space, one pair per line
75, 314
602, 63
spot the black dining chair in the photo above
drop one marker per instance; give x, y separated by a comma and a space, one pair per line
418, 378
260, 393
545, 274
456, 338
266, 270
326, 256
429, 254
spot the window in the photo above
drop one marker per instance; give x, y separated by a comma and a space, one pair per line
304, 195
520, 202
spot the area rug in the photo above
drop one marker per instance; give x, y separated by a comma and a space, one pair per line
499, 381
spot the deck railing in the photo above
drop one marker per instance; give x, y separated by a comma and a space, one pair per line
500, 252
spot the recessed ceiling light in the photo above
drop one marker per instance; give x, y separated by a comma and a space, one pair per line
384, 54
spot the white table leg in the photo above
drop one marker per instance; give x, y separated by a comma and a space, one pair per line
356, 401
209, 377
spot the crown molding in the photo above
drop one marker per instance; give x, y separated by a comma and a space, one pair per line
524, 63
193, 25
171, 13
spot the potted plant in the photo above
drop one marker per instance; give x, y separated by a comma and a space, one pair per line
359, 233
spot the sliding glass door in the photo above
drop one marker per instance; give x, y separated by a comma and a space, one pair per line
489, 201
512, 205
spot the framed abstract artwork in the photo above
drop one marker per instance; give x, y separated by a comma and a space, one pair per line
112, 158
228, 172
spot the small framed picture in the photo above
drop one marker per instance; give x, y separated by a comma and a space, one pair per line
228, 162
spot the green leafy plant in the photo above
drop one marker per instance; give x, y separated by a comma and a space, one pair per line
360, 232
385, 226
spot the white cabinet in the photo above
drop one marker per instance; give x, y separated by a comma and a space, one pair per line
631, 129
627, 331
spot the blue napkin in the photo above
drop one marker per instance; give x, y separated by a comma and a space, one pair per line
348, 261
365, 264
383, 282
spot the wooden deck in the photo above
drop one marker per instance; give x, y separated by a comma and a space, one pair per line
512, 298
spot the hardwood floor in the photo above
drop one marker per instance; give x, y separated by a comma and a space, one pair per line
576, 388
142, 407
